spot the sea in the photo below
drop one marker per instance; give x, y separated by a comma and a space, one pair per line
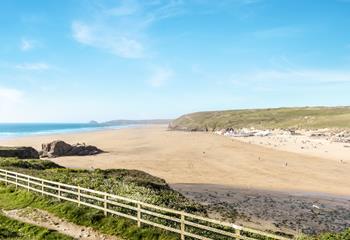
10, 130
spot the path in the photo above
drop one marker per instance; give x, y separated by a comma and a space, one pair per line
47, 220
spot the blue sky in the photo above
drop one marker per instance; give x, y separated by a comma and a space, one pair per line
77, 60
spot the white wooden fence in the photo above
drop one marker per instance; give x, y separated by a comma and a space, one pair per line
182, 223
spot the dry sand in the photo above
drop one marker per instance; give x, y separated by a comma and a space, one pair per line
312, 146
204, 158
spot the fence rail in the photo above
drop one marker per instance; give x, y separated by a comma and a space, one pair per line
182, 223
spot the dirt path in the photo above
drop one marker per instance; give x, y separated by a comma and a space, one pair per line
44, 219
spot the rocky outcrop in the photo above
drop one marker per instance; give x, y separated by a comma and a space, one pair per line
19, 152
60, 148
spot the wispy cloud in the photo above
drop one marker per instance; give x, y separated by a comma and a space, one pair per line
124, 9
26, 44
107, 39
160, 76
39, 66
122, 29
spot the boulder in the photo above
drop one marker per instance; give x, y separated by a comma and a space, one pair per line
60, 148
19, 152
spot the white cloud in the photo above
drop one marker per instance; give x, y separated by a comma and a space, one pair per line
121, 27
107, 39
11, 108
9, 94
9, 97
26, 45
160, 76
124, 9
33, 66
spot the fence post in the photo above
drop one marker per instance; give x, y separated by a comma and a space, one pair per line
238, 233
16, 180
105, 204
138, 214
79, 196
28, 183
6, 178
42, 187
182, 226
59, 192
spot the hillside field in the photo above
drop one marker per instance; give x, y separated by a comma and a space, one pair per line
296, 118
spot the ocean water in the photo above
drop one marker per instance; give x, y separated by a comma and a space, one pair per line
9, 130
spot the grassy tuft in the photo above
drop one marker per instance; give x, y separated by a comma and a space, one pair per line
27, 163
344, 235
13, 229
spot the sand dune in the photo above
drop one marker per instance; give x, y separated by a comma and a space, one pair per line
204, 158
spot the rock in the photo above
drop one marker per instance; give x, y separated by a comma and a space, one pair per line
60, 148
19, 152
55, 149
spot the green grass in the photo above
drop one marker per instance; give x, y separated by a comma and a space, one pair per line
8, 148
84, 216
13, 229
344, 235
306, 117
134, 184
130, 183
28, 164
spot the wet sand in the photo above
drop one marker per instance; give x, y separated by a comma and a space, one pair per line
290, 213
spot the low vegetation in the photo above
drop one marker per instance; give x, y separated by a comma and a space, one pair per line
134, 184
306, 118
84, 216
130, 183
12, 229
27, 164
344, 235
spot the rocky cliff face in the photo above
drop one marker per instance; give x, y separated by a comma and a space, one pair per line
19, 152
60, 148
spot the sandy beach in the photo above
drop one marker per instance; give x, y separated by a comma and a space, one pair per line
303, 144
240, 180
204, 158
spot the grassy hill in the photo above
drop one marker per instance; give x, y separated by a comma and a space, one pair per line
303, 117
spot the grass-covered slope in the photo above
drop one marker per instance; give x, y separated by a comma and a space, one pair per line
306, 118
134, 184
84, 216
130, 183
27, 164
12, 229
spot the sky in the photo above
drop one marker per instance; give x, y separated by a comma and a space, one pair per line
82, 60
